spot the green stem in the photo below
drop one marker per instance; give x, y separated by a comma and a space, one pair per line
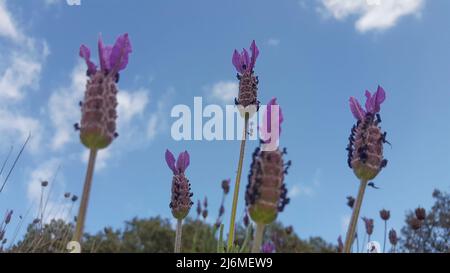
355, 215
236, 186
257, 242
81, 218
178, 236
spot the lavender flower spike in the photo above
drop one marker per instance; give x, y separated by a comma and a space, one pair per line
99, 108
181, 201
248, 82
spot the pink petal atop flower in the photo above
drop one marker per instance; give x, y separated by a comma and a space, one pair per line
237, 61
104, 53
119, 54
373, 102
170, 160
85, 53
255, 53
357, 111
183, 161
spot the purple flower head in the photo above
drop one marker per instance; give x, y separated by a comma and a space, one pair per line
180, 165
243, 62
8, 217
268, 247
369, 225
373, 102
112, 58
266, 128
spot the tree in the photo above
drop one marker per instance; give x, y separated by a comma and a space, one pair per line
433, 233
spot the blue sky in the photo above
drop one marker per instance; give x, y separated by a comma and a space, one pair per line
314, 56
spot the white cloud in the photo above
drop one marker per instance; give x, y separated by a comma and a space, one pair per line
299, 190
64, 109
131, 104
17, 127
157, 121
371, 16
273, 42
23, 72
306, 189
223, 91
8, 27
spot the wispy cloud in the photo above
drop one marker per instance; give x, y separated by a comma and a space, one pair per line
222, 91
273, 42
306, 189
371, 14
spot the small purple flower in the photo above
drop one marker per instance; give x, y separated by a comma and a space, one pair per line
8, 216
243, 62
180, 165
268, 247
373, 102
369, 225
112, 58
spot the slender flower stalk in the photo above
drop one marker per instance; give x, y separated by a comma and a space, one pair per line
266, 193
247, 103
365, 150
98, 110
181, 201
385, 215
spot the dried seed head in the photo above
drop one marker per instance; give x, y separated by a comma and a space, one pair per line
44, 183
420, 213
205, 203
205, 214
246, 220
369, 225
199, 208
74, 198
226, 186
350, 201
365, 150
221, 211
266, 193
393, 239
181, 201
99, 111
385, 214
289, 230
415, 223
67, 195
8, 216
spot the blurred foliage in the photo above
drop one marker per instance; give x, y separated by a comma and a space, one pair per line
434, 234
156, 235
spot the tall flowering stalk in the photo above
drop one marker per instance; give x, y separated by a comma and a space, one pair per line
181, 202
385, 215
266, 193
393, 239
365, 150
99, 109
248, 103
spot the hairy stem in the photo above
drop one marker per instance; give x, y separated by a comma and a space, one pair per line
81, 218
355, 215
257, 242
178, 236
236, 186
